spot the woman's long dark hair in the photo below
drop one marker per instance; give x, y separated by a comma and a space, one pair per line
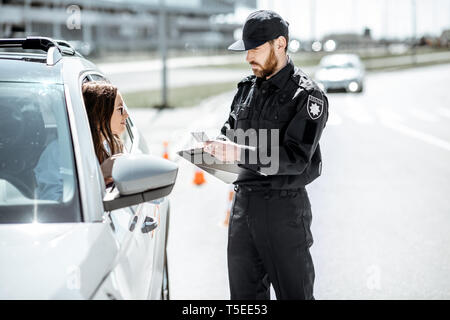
99, 100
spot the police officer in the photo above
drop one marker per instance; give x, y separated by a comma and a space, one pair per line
269, 233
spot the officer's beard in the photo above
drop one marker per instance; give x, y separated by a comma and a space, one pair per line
269, 67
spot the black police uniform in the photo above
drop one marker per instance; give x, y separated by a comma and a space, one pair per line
269, 233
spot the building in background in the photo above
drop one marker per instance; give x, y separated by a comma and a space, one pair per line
122, 25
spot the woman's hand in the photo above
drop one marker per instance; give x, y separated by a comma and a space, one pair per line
107, 167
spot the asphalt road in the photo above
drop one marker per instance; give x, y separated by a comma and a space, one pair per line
131, 76
146, 75
381, 210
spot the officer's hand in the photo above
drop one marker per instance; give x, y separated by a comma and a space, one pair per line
107, 167
225, 151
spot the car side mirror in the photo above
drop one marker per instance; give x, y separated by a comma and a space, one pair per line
140, 178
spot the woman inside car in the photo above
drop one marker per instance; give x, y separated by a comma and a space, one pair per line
107, 119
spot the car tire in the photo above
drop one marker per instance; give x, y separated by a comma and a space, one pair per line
361, 88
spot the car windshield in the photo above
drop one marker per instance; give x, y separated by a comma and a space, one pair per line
37, 173
347, 65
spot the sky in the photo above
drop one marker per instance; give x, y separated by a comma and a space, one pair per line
392, 18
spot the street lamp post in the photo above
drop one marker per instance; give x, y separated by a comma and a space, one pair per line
414, 27
163, 50
312, 14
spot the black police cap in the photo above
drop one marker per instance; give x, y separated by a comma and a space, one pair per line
261, 26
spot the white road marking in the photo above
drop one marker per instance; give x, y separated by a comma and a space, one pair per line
444, 112
425, 137
423, 115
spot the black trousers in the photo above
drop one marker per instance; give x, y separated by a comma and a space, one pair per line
269, 237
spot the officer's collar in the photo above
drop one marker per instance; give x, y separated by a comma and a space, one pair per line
281, 77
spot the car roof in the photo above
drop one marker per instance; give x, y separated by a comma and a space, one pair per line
23, 67
18, 64
340, 58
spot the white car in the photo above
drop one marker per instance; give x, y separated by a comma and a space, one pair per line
340, 72
63, 234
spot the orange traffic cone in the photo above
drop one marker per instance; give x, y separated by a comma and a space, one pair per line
199, 177
165, 153
230, 202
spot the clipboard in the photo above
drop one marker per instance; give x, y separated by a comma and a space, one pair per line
228, 172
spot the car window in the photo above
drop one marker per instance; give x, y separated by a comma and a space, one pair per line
343, 65
127, 135
97, 77
334, 62
37, 171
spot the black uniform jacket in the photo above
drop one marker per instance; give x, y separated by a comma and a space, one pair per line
292, 103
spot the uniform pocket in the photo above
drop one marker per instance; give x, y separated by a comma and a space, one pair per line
280, 110
238, 210
306, 217
234, 204
286, 108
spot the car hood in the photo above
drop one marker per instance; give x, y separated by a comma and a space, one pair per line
54, 261
338, 74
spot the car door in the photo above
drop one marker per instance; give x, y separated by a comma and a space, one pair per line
148, 211
133, 229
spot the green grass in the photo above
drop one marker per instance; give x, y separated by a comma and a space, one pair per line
309, 59
178, 97
301, 62
193, 95
409, 66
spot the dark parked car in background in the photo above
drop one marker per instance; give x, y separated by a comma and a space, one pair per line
341, 72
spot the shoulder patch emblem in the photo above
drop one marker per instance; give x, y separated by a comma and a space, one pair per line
314, 107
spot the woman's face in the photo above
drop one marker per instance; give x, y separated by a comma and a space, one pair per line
119, 116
